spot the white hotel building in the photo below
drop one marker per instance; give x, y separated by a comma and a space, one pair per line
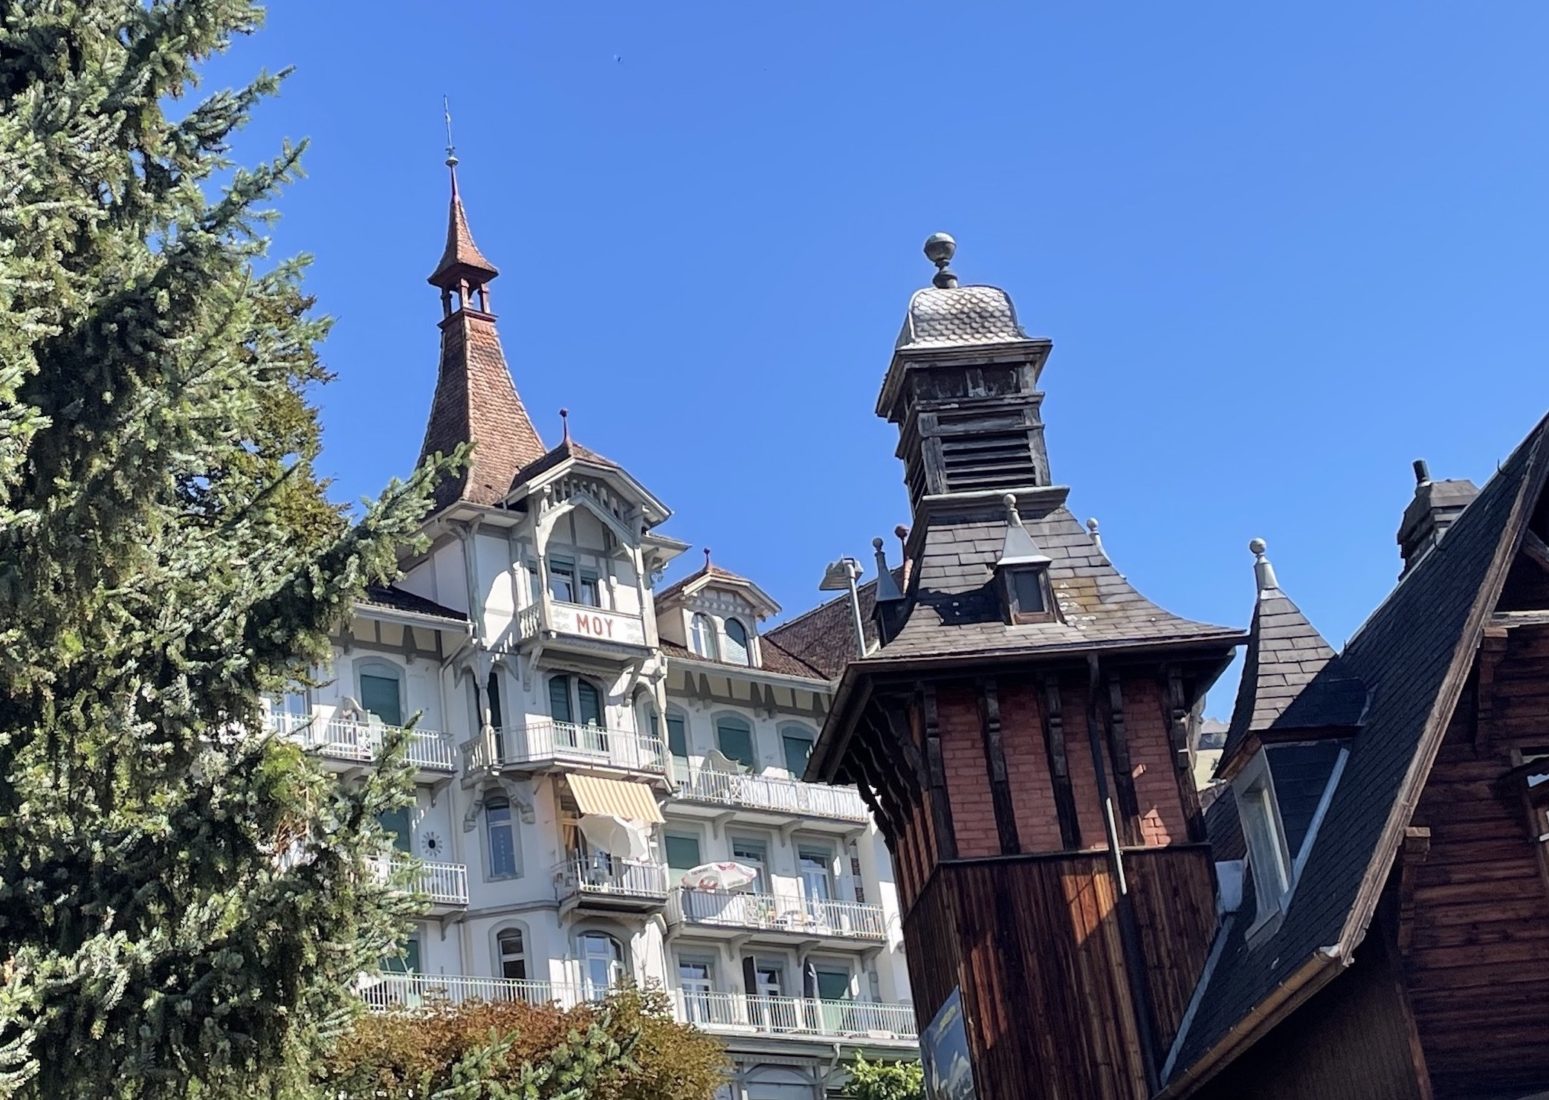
557, 691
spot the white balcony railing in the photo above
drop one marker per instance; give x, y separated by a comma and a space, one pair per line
776, 913
546, 742
390, 991
796, 1016
790, 796
345, 739
611, 876
443, 883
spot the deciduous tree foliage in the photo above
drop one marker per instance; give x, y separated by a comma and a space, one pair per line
885, 1081
184, 902
628, 1048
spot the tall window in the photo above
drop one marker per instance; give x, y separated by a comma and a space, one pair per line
696, 978
737, 650
754, 853
1266, 848
602, 963
677, 734
735, 737
396, 822
591, 589
816, 882
494, 699
702, 636
512, 945
572, 699
798, 750
682, 854
562, 580
500, 837
381, 692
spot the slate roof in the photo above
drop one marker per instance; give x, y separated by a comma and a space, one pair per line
1413, 654
1284, 653
956, 607
945, 317
395, 598
774, 659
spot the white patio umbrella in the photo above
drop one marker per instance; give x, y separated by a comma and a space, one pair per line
616, 835
723, 877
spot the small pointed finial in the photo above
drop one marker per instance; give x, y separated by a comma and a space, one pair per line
939, 250
1422, 471
564, 420
1097, 538
451, 150
707, 557
1263, 572
1013, 517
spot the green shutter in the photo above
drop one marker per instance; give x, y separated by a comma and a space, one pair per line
682, 854
590, 703
559, 698
677, 736
797, 751
379, 695
735, 738
396, 822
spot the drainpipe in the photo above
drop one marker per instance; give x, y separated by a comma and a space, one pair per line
1129, 928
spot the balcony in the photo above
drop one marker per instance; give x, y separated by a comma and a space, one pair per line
863, 1023
445, 884
393, 992
783, 918
773, 797
581, 627
609, 884
350, 743
545, 745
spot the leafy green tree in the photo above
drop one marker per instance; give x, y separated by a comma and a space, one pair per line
185, 903
885, 1081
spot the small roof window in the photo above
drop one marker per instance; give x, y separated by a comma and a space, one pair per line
1023, 573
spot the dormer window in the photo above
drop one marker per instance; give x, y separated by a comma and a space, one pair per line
1268, 856
702, 636
738, 652
1027, 595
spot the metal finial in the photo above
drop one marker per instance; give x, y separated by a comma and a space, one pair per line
564, 419
707, 557
1097, 538
939, 250
1013, 517
451, 150
1263, 572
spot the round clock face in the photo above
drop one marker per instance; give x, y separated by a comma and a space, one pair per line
431, 842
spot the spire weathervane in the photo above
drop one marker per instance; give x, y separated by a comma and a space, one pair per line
451, 149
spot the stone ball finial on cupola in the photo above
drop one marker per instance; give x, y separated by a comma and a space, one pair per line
1263, 571
939, 250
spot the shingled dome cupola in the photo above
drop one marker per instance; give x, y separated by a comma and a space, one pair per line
962, 388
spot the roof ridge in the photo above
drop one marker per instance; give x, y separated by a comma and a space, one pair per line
825, 605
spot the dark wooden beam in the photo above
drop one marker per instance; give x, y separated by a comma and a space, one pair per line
1492, 649
1059, 762
941, 806
995, 765
1128, 804
1535, 550
1178, 715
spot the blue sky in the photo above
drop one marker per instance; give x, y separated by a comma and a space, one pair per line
1281, 250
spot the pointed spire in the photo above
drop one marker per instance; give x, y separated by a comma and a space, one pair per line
461, 260
1019, 547
887, 587
1263, 571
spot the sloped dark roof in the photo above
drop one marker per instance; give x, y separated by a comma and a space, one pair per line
1413, 655
1284, 653
460, 252
395, 598
824, 638
959, 316
773, 659
1223, 828
709, 569
567, 449
956, 608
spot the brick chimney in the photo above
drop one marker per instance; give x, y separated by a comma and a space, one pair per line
1435, 507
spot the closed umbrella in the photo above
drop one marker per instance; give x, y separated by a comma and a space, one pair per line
617, 836
723, 877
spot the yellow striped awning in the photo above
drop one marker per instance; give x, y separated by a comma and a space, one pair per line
615, 798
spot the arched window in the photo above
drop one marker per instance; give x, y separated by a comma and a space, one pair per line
702, 636
381, 690
572, 699
500, 837
738, 652
602, 963
511, 946
734, 736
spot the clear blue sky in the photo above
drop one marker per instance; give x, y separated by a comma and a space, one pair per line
1281, 251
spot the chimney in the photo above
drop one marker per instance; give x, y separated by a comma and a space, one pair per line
1435, 507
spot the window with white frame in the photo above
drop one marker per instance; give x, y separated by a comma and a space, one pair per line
511, 946
577, 700
381, 690
575, 578
734, 737
500, 837
701, 636
696, 979
602, 963
1268, 859
738, 650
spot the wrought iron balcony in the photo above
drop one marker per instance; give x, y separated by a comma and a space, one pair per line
545, 744
859, 1022
610, 883
781, 796
445, 884
344, 739
806, 918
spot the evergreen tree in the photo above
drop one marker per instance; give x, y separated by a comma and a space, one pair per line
185, 903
